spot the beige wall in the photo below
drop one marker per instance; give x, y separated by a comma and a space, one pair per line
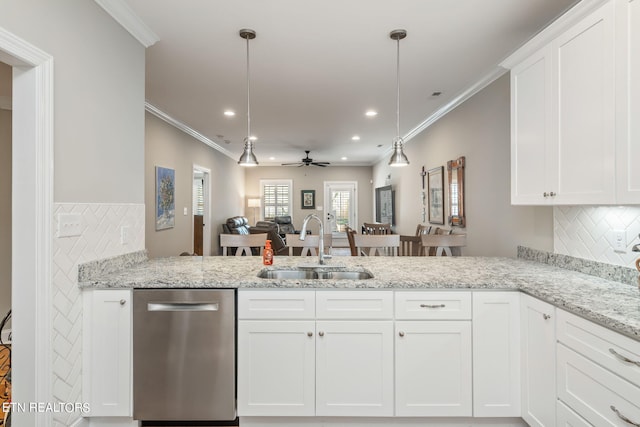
169, 147
98, 97
313, 178
5, 193
478, 129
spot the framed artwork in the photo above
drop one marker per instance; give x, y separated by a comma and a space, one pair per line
308, 199
385, 205
165, 198
435, 192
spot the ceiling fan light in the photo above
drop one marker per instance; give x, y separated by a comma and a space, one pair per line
247, 158
398, 158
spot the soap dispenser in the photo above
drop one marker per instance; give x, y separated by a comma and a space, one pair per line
267, 254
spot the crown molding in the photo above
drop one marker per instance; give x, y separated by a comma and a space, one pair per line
130, 21
186, 129
461, 97
5, 103
552, 31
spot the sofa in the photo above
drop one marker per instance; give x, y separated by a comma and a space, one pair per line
240, 225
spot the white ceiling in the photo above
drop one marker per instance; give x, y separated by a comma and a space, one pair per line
318, 65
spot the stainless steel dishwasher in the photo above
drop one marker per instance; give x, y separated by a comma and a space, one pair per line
184, 355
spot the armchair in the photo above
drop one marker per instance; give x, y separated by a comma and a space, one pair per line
284, 225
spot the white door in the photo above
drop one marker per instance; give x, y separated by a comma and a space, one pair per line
340, 207
496, 354
433, 368
538, 362
276, 361
354, 368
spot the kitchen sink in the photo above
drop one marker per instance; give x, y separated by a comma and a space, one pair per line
305, 274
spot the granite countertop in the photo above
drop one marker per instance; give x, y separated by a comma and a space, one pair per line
610, 303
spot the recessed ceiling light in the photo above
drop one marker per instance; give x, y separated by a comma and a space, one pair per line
272, 158
355, 138
343, 158
229, 113
253, 138
371, 113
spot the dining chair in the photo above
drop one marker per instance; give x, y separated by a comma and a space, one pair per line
410, 246
350, 238
423, 229
243, 243
376, 228
383, 245
444, 243
309, 246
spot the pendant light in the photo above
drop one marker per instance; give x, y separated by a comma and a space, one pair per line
247, 158
398, 158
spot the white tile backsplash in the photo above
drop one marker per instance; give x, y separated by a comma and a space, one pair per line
587, 232
100, 238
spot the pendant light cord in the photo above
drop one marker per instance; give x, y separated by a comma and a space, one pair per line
398, 88
248, 95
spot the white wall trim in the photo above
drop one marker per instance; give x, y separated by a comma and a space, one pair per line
186, 129
130, 21
32, 207
448, 107
553, 30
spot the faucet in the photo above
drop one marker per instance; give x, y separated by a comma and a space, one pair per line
303, 234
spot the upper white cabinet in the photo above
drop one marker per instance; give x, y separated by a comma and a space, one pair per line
107, 385
628, 101
571, 140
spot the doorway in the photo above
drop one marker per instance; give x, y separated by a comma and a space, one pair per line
340, 207
201, 208
31, 213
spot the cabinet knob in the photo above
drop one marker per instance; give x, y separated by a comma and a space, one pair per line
546, 316
545, 194
309, 334
401, 333
321, 333
123, 301
552, 194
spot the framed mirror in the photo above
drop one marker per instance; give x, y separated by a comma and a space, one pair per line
385, 205
456, 192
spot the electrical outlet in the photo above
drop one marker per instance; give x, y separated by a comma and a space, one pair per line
69, 225
124, 235
619, 240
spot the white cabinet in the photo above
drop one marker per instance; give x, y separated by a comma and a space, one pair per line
628, 102
533, 163
496, 354
107, 385
433, 368
276, 374
563, 117
286, 368
354, 368
537, 323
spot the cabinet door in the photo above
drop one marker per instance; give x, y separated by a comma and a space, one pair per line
276, 367
496, 354
568, 418
107, 352
628, 107
354, 368
531, 131
538, 362
585, 74
433, 368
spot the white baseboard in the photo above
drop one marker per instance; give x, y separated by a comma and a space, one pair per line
382, 422
109, 422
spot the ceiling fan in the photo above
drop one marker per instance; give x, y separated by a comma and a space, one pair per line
307, 161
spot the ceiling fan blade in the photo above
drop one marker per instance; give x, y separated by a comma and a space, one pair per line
321, 164
292, 164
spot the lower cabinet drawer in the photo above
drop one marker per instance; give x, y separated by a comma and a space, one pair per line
565, 417
433, 305
276, 304
354, 305
598, 395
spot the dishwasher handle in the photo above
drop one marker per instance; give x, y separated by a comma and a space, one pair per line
183, 306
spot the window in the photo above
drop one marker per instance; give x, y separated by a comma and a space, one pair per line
276, 198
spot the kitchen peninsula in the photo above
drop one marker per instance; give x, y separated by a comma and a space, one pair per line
504, 340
